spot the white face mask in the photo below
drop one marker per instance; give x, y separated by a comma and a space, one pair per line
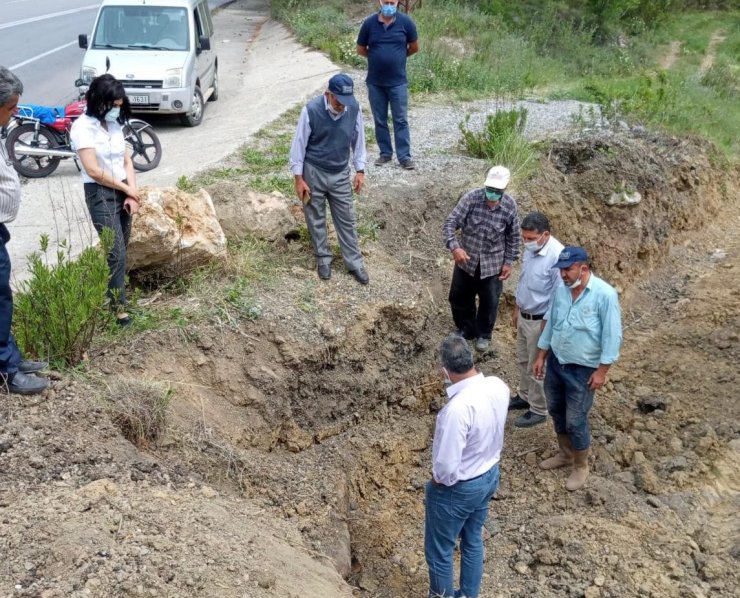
575, 285
448, 382
534, 245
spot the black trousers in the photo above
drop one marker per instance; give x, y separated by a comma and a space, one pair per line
106, 211
474, 323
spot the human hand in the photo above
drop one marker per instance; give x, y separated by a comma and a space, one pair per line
302, 191
538, 368
132, 192
359, 182
597, 380
505, 272
515, 318
131, 205
460, 256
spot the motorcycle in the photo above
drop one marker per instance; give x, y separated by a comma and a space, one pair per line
39, 139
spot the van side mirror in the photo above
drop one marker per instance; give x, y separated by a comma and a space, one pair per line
204, 43
82, 40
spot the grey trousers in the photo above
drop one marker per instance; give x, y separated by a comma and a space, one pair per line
336, 188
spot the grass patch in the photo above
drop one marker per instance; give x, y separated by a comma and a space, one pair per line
501, 141
139, 409
598, 51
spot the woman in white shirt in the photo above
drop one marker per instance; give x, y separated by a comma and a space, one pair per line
108, 175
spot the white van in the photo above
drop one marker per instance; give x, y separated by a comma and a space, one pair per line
160, 50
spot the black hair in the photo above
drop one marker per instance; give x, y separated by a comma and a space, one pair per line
101, 94
537, 222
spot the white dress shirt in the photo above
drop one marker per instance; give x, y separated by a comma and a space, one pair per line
10, 188
470, 429
538, 280
109, 146
303, 132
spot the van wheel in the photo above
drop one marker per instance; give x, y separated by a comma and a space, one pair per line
214, 94
195, 116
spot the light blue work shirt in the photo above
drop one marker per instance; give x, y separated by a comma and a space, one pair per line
585, 332
303, 132
539, 279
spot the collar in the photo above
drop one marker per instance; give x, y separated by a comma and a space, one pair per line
382, 22
546, 248
458, 387
327, 106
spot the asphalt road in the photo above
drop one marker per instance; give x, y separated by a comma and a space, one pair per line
38, 42
262, 73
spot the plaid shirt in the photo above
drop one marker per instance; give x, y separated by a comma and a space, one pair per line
490, 236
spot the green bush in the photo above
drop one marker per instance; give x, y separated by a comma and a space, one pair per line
61, 306
501, 141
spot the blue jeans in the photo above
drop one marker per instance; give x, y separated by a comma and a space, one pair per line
398, 98
452, 512
10, 356
569, 400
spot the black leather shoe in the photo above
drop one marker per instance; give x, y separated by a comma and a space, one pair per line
324, 271
529, 419
408, 164
360, 275
517, 402
382, 160
29, 367
27, 384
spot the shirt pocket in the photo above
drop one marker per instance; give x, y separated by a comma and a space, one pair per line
586, 318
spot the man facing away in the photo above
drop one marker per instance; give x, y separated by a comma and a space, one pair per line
466, 451
537, 283
386, 39
580, 341
484, 255
329, 126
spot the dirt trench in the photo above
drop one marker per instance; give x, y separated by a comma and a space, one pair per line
318, 423
335, 436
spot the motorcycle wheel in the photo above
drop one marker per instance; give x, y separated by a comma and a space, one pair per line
144, 145
33, 167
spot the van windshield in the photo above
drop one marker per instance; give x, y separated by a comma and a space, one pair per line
142, 28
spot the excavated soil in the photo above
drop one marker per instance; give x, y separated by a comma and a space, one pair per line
299, 443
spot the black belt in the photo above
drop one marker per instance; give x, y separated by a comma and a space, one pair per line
527, 316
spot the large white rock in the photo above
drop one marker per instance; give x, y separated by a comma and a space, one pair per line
174, 228
242, 212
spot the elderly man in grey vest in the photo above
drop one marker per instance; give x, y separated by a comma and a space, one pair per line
329, 127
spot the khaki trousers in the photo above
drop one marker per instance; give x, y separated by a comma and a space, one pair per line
530, 389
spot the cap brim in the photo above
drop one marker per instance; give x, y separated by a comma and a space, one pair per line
346, 100
564, 264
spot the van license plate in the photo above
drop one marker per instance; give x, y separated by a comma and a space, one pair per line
138, 99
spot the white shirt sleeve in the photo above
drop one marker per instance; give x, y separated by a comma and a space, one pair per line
449, 440
359, 152
300, 140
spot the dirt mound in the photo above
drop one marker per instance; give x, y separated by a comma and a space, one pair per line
677, 186
309, 429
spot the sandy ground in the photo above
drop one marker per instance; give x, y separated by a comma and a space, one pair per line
263, 72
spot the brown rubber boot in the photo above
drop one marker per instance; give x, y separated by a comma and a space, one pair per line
563, 457
580, 471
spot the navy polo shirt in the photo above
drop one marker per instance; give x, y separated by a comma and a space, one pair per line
386, 44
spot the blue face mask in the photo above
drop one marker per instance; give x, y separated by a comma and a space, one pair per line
388, 10
113, 114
